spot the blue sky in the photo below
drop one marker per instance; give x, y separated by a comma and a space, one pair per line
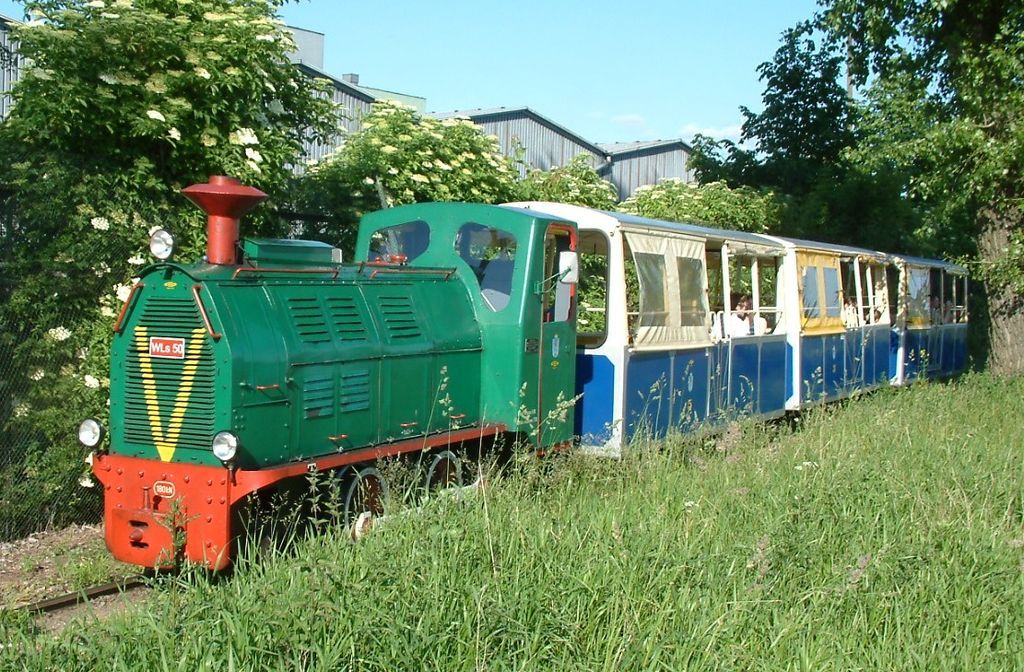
607, 70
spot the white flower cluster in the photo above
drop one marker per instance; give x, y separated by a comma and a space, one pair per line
155, 115
92, 382
100, 223
59, 334
243, 136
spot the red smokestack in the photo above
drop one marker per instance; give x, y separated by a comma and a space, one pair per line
224, 200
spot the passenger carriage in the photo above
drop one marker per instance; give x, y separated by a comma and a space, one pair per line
656, 350
930, 336
840, 322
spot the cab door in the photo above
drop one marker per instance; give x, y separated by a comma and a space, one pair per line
557, 362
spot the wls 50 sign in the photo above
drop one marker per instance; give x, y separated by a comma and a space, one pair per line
168, 348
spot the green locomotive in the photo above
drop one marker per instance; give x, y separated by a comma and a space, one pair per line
270, 359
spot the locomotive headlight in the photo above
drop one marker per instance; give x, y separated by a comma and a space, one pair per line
225, 445
161, 244
90, 432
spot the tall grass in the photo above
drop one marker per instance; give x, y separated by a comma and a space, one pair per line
883, 534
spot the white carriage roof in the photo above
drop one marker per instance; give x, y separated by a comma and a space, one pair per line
608, 221
832, 247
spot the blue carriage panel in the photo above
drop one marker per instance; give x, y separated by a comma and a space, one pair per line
960, 358
894, 353
789, 370
595, 381
744, 376
835, 368
878, 345
915, 339
948, 351
648, 394
690, 388
934, 351
774, 376
853, 361
718, 381
812, 373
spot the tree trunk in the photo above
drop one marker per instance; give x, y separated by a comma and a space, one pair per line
1005, 305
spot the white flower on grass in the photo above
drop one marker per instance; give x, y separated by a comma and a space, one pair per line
100, 223
243, 136
38, 374
203, 72
137, 260
689, 504
155, 115
173, 133
253, 154
59, 333
806, 465
92, 382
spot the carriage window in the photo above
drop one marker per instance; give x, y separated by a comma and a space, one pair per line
693, 309
592, 319
892, 276
833, 292
491, 253
408, 240
812, 303
960, 299
918, 298
768, 312
875, 307
715, 282
651, 270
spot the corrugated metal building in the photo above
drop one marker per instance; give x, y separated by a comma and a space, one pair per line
10, 65
355, 104
544, 143
635, 164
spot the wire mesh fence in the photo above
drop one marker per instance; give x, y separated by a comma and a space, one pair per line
53, 373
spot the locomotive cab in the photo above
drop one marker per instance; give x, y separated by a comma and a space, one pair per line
520, 270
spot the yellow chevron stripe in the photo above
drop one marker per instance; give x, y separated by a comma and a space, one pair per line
167, 443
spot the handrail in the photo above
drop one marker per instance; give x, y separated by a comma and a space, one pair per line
257, 269
202, 311
124, 309
446, 272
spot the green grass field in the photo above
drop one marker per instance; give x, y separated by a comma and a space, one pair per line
885, 534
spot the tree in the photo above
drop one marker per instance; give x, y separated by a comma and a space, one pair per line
946, 101
577, 183
806, 124
121, 104
398, 157
715, 204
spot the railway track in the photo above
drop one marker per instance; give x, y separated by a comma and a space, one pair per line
72, 599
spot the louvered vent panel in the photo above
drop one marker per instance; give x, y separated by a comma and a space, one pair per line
345, 317
308, 318
317, 397
399, 318
355, 391
169, 318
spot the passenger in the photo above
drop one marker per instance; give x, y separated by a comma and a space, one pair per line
760, 325
851, 316
948, 312
935, 310
739, 323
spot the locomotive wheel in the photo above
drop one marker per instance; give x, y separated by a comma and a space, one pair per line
444, 470
365, 492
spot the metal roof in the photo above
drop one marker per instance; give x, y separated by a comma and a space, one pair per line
494, 113
615, 148
340, 84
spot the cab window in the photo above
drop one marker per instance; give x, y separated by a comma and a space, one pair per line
402, 242
491, 254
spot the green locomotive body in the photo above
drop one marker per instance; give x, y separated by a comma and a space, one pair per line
270, 359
